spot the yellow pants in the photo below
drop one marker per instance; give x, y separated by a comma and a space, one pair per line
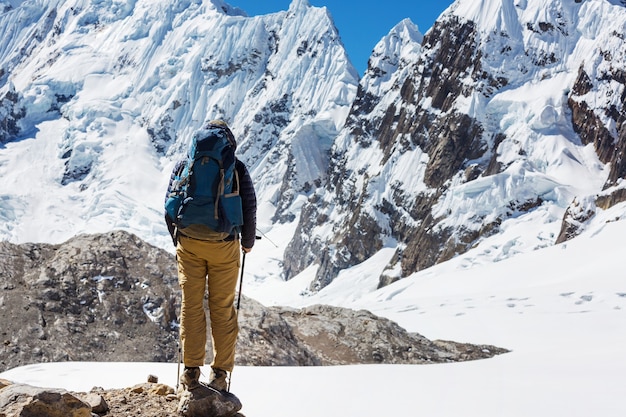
216, 264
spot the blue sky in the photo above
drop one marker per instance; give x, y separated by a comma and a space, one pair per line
362, 23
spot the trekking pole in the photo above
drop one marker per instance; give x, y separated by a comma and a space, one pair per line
179, 361
243, 264
180, 349
265, 236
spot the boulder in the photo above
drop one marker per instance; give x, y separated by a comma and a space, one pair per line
205, 401
97, 403
19, 400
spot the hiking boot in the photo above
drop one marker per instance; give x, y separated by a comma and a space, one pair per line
190, 378
218, 379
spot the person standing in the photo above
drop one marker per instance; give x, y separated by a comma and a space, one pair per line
209, 259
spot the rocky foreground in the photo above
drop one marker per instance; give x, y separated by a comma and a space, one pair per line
149, 399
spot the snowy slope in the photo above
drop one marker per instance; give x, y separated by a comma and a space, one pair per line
110, 92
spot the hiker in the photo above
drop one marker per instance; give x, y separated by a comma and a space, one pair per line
208, 255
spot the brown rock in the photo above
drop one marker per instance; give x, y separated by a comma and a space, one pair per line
17, 400
204, 401
97, 402
161, 389
137, 389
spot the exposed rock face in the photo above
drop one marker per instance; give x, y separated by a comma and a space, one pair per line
11, 113
580, 211
448, 137
598, 104
603, 123
107, 297
612, 197
112, 297
576, 214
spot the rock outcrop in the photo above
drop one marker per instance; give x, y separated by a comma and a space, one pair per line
108, 297
149, 399
326, 335
18, 400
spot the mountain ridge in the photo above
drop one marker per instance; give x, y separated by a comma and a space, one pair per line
493, 120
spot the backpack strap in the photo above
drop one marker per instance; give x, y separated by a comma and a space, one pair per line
220, 189
235, 190
185, 185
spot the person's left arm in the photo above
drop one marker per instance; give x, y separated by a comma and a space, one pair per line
249, 205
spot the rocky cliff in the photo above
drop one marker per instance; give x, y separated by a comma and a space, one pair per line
109, 297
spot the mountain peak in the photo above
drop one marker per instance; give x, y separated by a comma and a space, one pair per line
407, 29
227, 9
297, 5
402, 42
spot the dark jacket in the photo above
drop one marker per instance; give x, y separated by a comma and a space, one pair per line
248, 201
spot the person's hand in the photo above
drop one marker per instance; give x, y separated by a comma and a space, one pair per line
246, 250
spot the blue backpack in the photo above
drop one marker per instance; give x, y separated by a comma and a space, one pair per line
206, 190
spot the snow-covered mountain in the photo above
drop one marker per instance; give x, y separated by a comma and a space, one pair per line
499, 131
100, 98
502, 133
